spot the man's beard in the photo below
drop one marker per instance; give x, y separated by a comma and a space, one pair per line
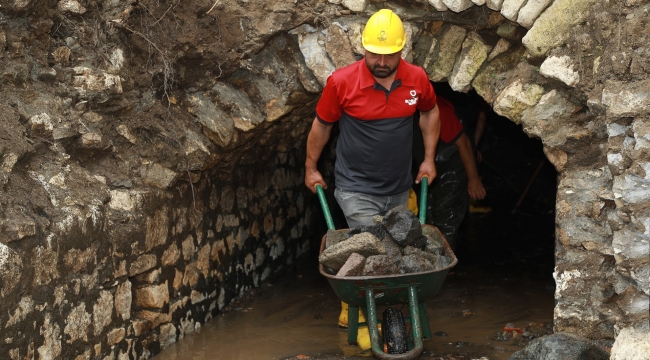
382, 72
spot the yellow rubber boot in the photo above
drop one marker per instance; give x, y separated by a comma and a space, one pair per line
343, 317
363, 338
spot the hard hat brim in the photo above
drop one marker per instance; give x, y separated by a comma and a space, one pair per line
382, 50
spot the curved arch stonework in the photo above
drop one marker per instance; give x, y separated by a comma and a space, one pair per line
152, 162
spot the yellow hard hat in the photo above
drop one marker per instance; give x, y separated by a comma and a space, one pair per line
384, 33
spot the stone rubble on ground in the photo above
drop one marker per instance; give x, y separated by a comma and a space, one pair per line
360, 252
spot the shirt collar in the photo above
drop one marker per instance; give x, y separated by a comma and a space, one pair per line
367, 80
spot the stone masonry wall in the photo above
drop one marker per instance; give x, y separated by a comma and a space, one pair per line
151, 152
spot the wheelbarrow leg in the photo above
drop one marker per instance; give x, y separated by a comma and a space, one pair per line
426, 330
416, 328
353, 324
371, 319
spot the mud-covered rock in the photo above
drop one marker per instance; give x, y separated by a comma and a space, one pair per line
434, 243
365, 244
404, 227
393, 250
414, 264
334, 237
438, 261
378, 265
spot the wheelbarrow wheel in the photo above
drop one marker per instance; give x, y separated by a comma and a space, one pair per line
394, 331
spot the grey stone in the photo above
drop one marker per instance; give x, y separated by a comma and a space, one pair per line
511, 31
437, 261
631, 244
404, 226
494, 4
11, 268
338, 46
444, 57
441, 262
458, 5
151, 296
245, 115
353, 266
393, 250
510, 8
364, 244
216, 124
77, 323
334, 237
434, 241
492, 78
550, 118
158, 176
102, 311
560, 68
627, 98
72, 7
516, 98
378, 265
355, 5
563, 346
143, 263
553, 27
414, 264
315, 54
502, 46
41, 125
631, 344
439, 5
473, 54
531, 11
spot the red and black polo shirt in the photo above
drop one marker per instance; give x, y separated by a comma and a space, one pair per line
373, 153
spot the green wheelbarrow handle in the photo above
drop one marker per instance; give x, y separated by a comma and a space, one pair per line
325, 207
424, 189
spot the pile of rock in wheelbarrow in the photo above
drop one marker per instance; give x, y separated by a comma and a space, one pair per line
396, 244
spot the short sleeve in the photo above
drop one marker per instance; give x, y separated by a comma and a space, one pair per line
450, 127
328, 109
428, 98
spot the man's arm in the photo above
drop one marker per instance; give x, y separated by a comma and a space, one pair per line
430, 126
318, 137
474, 184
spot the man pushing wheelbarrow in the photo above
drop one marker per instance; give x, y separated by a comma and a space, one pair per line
374, 100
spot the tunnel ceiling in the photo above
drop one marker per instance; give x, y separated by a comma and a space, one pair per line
121, 116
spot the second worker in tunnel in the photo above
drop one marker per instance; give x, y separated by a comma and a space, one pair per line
374, 101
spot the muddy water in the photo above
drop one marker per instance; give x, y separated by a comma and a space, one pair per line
298, 316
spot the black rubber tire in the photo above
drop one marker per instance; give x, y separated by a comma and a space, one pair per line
394, 331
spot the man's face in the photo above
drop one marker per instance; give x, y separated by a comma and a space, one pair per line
382, 66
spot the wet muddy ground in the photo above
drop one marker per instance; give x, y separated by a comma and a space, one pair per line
503, 278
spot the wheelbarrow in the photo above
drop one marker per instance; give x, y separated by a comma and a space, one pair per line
368, 292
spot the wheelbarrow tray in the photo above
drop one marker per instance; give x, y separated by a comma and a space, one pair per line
389, 289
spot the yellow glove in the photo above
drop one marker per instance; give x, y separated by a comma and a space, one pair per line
412, 203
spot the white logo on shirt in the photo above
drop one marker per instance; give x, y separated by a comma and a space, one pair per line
413, 100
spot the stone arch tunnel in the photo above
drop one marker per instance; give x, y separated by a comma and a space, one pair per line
153, 151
